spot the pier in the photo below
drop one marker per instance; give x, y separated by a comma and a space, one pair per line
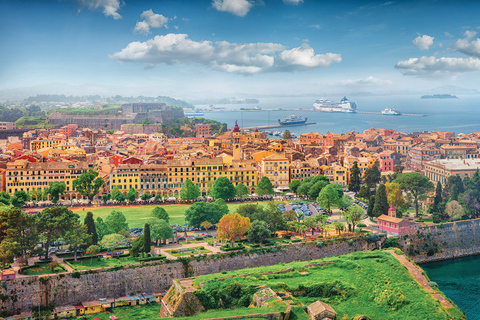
278, 126
301, 109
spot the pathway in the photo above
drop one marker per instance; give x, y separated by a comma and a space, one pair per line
420, 278
212, 249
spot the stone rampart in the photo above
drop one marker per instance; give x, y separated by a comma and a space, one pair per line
22, 293
452, 240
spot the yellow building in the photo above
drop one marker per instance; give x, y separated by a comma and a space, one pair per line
207, 171
150, 178
44, 143
337, 174
240, 173
178, 172
125, 177
275, 167
91, 307
26, 176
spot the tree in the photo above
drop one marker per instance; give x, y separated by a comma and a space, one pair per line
274, 217
138, 246
91, 230
293, 186
353, 216
207, 225
372, 176
189, 191
93, 250
19, 198
394, 195
111, 241
160, 213
106, 197
117, 195
355, 179
222, 206
18, 227
56, 189
381, 202
417, 185
5, 198
287, 135
264, 187
253, 211
258, 231
53, 265
339, 226
88, 184
304, 188
241, 190
52, 223
398, 169
232, 226
201, 211
147, 196
345, 201
316, 188
131, 195
328, 197
311, 223
454, 210
371, 205
7, 252
77, 236
147, 243
116, 222
101, 228
223, 189
160, 230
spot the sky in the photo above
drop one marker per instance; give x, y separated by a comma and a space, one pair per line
220, 48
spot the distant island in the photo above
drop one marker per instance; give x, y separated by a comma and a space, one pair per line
439, 96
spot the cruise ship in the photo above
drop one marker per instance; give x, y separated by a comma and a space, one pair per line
292, 120
328, 106
391, 112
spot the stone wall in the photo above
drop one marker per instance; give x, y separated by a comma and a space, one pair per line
453, 240
22, 293
147, 129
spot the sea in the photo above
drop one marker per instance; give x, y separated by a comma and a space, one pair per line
460, 115
459, 279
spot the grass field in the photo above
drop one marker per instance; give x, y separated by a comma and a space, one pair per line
43, 268
361, 283
87, 264
137, 216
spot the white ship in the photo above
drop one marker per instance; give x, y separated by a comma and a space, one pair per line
391, 112
328, 106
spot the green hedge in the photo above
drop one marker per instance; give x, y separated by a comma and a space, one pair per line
160, 257
81, 258
238, 247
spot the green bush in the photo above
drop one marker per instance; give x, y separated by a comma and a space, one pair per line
391, 242
228, 248
75, 274
320, 244
361, 225
296, 240
173, 251
433, 284
199, 238
160, 257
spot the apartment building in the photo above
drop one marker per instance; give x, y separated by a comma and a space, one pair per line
276, 168
440, 170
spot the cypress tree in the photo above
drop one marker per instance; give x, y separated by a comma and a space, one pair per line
371, 204
438, 196
91, 230
354, 184
146, 238
381, 203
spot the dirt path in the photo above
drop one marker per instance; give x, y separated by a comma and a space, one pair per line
420, 278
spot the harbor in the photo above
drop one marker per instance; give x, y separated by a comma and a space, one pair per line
301, 109
278, 126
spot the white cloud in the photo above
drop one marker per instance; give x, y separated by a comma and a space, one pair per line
237, 7
467, 45
293, 2
367, 81
151, 20
110, 7
248, 58
432, 66
424, 42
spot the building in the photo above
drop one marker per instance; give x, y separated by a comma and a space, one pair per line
403, 145
320, 311
386, 163
395, 226
458, 152
441, 169
44, 143
202, 130
422, 154
276, 168
7, 125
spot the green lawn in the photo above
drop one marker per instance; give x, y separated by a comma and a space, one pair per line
86, 264
187, 251
43, 268
138, 216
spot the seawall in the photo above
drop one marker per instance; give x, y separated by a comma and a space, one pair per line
23, 293
452, 240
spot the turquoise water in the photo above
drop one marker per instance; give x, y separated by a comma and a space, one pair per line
457, 115
459, 279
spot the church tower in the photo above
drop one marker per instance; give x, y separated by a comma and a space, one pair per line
236, 142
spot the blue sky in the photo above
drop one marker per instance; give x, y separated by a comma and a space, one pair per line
203, 48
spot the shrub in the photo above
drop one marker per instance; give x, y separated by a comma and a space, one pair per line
75, 274
433, 284
350, 242
201, 248
160, 257
372, 238
441, 225
391, 243
199, 238
173, 251
320, 244
296, 240
361, 225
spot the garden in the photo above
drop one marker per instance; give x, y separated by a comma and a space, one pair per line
188, 251
42, 267
92, 262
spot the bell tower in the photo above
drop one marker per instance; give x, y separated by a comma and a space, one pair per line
236, 142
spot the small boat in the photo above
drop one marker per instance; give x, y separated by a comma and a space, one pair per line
391, 112
277, 133
292, 120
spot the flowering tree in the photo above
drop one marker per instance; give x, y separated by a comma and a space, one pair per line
232, 226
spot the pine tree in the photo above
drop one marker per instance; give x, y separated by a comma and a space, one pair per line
146, 238
354, 184
91, 230
381, 202
371, 204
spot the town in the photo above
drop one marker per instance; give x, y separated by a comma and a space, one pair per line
110, 188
